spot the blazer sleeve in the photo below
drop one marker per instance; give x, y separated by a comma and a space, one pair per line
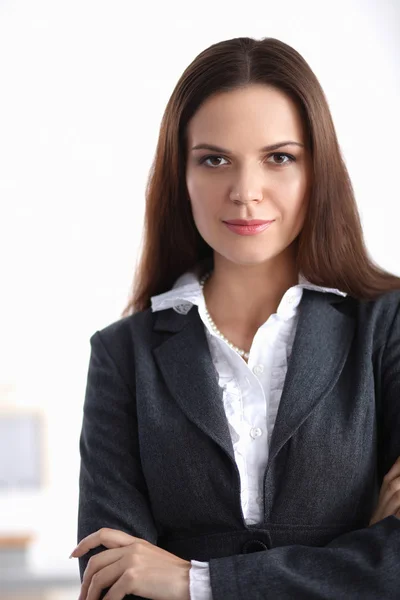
112, 488
359, 564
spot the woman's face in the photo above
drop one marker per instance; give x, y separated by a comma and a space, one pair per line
242, 180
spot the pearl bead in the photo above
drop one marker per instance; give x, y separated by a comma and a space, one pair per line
240, 351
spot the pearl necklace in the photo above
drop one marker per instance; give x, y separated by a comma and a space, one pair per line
240, 351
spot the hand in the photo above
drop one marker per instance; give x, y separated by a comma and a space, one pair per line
132, 566
389, 496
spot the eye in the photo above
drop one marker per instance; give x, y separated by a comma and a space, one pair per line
290, 159
203, 160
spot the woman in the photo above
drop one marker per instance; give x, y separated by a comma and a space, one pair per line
240, 427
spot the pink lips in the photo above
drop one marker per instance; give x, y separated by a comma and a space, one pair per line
243, 227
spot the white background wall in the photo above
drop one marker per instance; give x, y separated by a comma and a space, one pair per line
83, 85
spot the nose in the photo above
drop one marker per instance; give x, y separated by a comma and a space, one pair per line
249, 197
247, 189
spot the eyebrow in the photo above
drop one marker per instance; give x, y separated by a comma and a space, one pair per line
264, 149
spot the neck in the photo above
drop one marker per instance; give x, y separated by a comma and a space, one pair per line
243, 296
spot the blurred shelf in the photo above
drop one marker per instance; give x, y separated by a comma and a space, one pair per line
12, 579
52, 593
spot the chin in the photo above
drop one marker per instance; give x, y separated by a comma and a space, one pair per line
248, 258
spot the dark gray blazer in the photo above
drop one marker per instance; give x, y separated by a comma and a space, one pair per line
157, 459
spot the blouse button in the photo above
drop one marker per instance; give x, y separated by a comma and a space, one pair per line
255, 432
258, 369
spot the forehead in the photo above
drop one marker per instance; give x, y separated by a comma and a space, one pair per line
257, 114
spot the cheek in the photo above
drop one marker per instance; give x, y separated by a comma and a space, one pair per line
204, 211
298, 193
202, 188
298, 215
203, 198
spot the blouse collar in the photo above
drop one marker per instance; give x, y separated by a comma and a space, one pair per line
187, 291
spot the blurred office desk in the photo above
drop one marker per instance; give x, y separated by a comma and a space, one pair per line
17, 584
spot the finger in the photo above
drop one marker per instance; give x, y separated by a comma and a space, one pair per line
110, 538
392, 502
393, 472
104, 578
96, 565
121, 588
392, 487
389, 499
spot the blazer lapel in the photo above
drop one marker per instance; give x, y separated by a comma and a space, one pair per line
324, 334
322, 343
185, 362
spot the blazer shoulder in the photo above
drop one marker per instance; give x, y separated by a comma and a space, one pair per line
390, 302
387, 304
120, 337
380, 314
124, 327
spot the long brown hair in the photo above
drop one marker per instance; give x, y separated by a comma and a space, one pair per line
331, 251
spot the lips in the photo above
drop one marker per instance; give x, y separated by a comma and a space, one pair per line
247, 223
248, 229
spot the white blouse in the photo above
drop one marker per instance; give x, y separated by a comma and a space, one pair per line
251, 392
